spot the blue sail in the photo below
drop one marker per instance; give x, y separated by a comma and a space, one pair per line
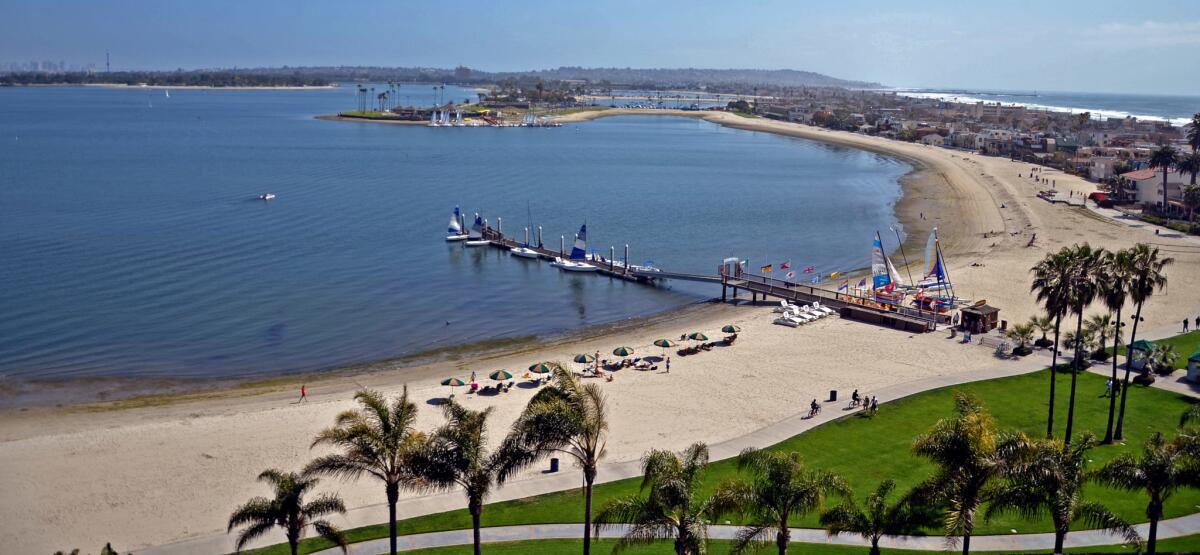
455, 226
579, 251
880, 277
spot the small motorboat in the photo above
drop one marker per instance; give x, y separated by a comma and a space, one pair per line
523, 252
572, 266
266, 196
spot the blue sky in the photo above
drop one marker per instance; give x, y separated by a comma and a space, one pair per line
1147, 46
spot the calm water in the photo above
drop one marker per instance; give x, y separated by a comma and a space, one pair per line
132, 245
1177, 109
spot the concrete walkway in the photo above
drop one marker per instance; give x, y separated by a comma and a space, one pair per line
570, 478
1017, 542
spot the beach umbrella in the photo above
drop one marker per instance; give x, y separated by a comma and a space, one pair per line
543, 368
697, 336
731, 328
500, 375
584, 358
453, 382
623, 351
664, 343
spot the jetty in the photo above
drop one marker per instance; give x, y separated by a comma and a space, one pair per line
733, 280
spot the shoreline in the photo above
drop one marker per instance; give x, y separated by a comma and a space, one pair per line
185, 87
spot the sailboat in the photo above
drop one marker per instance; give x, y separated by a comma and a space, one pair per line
455, 230
433, 119
937, 293
523, 249
168, 91
475, 236
578, 255
884, 277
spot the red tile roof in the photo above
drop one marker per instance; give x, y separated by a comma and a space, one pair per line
1139, 175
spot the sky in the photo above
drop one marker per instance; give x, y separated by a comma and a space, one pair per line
1147, 46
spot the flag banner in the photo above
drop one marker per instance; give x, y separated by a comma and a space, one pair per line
785, 265
835, 275
845, 286
766, 269
791, 275
810, 269
816, 279
862, 282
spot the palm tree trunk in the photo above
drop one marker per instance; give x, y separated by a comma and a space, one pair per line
589, 476
1059, 538
1075, 363
783, 538
874, 546
1165, 194
966, 543
1153, 539
1053, 376
1137, 317
475, 506
295, 545
1112, 392
393, 496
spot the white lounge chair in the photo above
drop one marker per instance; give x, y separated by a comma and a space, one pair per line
817, 306
786, 321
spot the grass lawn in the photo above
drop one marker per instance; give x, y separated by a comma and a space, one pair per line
1184, 344
866, 451
721, 547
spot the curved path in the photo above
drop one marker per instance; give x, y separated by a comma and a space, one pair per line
1172, 528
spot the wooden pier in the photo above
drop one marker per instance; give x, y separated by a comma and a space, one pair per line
760, 287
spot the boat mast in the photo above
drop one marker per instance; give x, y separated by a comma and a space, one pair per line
907, 268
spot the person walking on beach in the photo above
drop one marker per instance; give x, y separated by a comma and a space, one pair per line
874, 404
1198, 322
1185, 323
303, 394
668, 365
472, 376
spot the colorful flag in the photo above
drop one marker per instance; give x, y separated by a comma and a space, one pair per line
835, 275
791, 275
845, 286
810, 269
862, 282
816, 279
766, 269
785, 265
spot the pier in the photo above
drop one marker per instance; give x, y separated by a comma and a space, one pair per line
760, 287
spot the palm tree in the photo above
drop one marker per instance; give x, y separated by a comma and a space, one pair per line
1100, 326
566, 417
1189, 164
1043, 324
1193, 133
672, 509
969, 453
288, 511
1082, 289
1191, 197
456, 455
1022, 334
1162, 469
1145, 275
378, 441
1113, 279
878, 518
1162, 358
1050, 282
1163, 158
782, 487
1049, 479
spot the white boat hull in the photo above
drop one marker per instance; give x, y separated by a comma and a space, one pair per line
571, 266
476, 243
456, 237
523, 252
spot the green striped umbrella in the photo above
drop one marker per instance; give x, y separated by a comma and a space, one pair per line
623, 351
543, 368
664, 343
697, 336
500, 375
584, 358
453, 382
731, 328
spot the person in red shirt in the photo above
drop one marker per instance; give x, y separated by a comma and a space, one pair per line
303, 394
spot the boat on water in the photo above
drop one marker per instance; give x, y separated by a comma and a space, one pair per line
577, 260
523, 249
456, 228
475, 236
572, 265
266, 196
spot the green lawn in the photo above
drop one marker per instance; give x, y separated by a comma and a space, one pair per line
721, 547
866, 451
1184, 344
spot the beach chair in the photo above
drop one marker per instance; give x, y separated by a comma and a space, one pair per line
817, 306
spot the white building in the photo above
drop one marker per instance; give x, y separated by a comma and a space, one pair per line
1147, 186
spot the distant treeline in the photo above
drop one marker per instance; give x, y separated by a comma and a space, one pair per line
200, 78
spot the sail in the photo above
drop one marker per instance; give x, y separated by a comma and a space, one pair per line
892, 273
579, 251
476, 229
931, 254
455, 226
880, 277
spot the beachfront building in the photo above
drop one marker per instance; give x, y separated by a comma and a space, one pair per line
1146, 187
933, 139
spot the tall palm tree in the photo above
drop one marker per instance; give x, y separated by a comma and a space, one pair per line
1082, 290
1113, 279
1193, 133
568, 418
1050, 282
1162, 469
1049, 480
1191, 197
878, 518
672, 509
1163, 158
782, 486
1146, 275
1190, 164
969, 453
288, 510
378, 440
456, 455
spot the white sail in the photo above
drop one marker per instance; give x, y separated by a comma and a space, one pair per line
455, 226
891, 269
930, 254
476, 232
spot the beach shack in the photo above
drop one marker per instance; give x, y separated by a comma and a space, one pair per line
1139, 351
980, 318
1193, 369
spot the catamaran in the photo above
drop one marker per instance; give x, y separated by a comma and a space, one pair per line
475, 236
456, 229
886, 284
936, 291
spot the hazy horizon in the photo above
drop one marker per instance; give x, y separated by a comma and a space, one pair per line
1070, 46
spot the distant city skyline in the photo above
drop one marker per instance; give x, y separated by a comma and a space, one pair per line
1100, 46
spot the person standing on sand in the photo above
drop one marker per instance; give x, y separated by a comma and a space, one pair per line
472, 376
668, 365
1185, 322
303, 394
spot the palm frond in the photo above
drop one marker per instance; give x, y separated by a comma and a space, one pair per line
1099, 516
323, 505
252, 533
331, 533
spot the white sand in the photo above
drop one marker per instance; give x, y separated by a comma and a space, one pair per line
149, 476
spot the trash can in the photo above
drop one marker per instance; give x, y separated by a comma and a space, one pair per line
832, 395
554, 464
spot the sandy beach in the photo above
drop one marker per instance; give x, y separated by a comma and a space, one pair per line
142, 476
